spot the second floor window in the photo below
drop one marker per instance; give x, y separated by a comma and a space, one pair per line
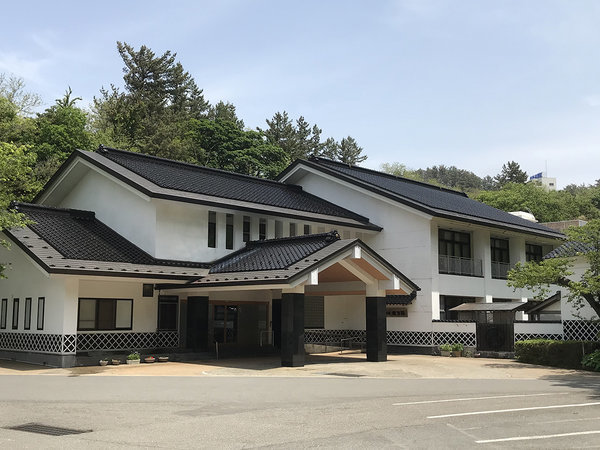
262, 229
454, 243
246, 229
533, 252
306, 229
229, 231
212, 229
499, 248
292, 229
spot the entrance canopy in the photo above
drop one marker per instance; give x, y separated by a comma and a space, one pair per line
503, 306
320, 264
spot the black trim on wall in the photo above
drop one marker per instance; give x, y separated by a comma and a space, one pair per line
27, 316
15, 314
3, 313
41, 312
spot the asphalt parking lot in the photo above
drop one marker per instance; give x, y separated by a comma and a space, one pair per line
410, 401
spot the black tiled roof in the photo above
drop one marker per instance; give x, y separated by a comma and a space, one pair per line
568, 249
78, 235
273, 254
195, 179
433, 199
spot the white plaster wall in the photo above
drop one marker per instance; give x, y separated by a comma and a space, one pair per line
539, 328
145, 309
24, 279
455, 327
130, 214
345, 312
568, 310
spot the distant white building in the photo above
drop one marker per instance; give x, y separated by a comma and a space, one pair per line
541, 178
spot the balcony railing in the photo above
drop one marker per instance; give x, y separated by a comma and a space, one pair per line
500, 270
455, 265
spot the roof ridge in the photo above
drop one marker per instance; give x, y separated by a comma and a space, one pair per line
330, 235
104, 149
316, 159
81, 213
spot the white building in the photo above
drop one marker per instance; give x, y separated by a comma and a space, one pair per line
130, 251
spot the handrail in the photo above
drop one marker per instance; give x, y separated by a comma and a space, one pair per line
456, 265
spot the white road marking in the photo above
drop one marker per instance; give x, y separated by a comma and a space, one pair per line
562, 421
529, 438
497, 411
466, 399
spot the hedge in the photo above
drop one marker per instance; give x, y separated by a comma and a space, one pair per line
546, 352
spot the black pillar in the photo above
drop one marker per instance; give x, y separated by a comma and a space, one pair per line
376, 329
292, 330
197, 323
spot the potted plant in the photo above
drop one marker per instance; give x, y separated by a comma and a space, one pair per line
115, 362
149, 359
163, 358
457, 349
445, 349
103, 362
133, 358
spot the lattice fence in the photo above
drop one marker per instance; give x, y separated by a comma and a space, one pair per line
579, 330
527, 336
126, 341
455, 337
38, 342
328, 337
409, 338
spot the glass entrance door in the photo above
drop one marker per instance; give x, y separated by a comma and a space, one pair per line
225, 324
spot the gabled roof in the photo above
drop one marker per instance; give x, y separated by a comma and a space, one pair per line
273, 254
434, 200
537, 306
569, 249
174, 180
74, 241
284, 260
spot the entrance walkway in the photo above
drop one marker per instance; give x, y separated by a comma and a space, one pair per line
322, 365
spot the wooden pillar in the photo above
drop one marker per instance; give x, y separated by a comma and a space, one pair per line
292, 330
376, 329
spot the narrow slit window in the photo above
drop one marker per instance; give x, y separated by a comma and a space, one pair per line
307, 229
262, 229
212, 229
27, 318
15, 314
278, 229
229, 231
292, 229
246, 229
3, 312
40, 313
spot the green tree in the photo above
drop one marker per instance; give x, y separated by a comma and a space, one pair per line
511, 173
16, 162
225, 111
221, 144
452, 177
13, 89
350, 152
538, 277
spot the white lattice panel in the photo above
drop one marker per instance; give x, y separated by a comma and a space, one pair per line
580, 330
126, 341
321, 336
448, 337
38, 342
420, 338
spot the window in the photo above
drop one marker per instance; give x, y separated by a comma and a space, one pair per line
27, 318
147, 290
3, 313
167, 313
105, 314
225, 323
454, 243
212, 229
533, 252
229, 231
15, 316
278, 229
292, 229
246, 229
306, 229
447, 302
262, 229
40, 314
499, 249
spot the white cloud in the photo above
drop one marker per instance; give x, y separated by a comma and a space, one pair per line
28, 69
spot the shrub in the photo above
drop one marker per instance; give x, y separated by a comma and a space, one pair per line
457, 347
592, 361
565, 354
446, 347
134, 355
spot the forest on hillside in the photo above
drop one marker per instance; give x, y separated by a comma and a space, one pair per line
161, 111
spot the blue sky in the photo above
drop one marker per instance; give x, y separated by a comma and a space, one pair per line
421, 82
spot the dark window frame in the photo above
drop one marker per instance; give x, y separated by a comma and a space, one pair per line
500, 250
41, 312
458, 242
147, 290
307, 229
98, 301
246, 229
532, 253
27, 317
212, 229
293, 230
229, 231
15, 314
3, 313
167, 300
262, 229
